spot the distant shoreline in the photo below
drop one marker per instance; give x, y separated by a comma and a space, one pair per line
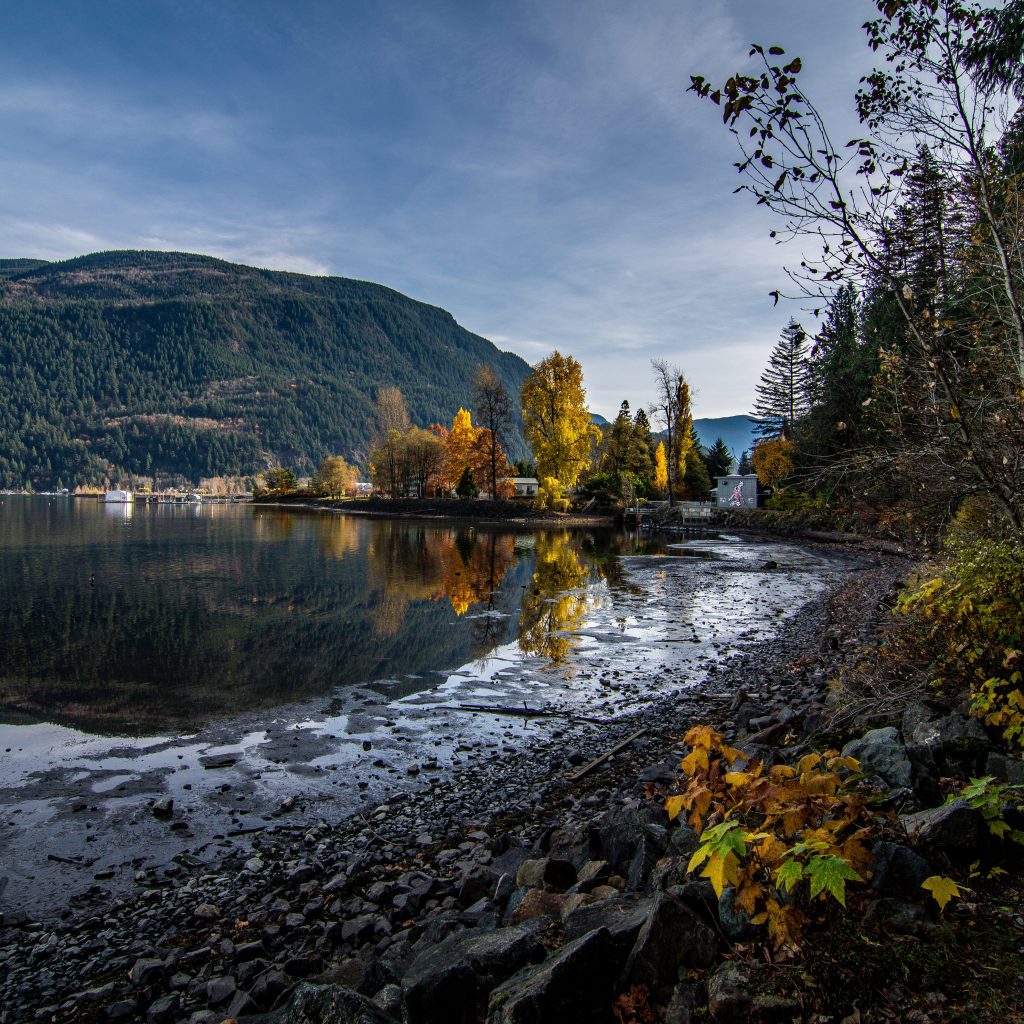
500, 513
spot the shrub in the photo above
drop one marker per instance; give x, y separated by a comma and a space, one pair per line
768, 831
974, 613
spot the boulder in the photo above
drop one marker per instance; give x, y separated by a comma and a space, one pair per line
730, 993
622, 916
648, 852
897, 869
575, 844
1009, 769
682, 1007
955, 830
592, 874
882, 753
537, 903
621, 831
328, 1004
445, 982
573, 985
671, 937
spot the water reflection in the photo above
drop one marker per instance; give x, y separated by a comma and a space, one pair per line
556, 600
171, 617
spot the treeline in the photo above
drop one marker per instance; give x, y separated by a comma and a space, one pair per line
904, 404
149, 363
905, 399
574, 460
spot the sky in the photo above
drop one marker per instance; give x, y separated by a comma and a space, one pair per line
535, 167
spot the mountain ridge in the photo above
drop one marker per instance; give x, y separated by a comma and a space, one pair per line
137, 363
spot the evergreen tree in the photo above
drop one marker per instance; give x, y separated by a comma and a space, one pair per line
746, 467
643, 428
719, 458
695, 483
624, 449
467, 487
782, 393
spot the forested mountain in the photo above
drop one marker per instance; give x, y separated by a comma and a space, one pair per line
122, 363
737, 432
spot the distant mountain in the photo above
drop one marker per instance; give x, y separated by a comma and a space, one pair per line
123, 363
599, 421
737, 431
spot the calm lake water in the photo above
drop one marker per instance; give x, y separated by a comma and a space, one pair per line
126, 620
256, 665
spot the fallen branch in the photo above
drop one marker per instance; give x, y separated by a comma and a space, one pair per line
525, 712
70, 860
587, 768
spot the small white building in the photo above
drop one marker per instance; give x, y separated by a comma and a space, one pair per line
363, 487
526, 486
118, 497
736, 491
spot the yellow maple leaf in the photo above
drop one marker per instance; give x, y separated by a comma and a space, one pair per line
737, 778
674, 804
721, 871
942, 889
697, 758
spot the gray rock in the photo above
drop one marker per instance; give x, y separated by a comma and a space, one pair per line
882, 753
592, 874
621, 916
220, 990
682, 1007
955, 830
648, 853
329, 1004
164, 1009
146, 971
729, 993
445, 982
573, 985
206, 912
574, 844
1009, 769
389, 999
672, 937
897, 869
531, 872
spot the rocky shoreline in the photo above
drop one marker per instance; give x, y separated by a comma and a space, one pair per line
513, 893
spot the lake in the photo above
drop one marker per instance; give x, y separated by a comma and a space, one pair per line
235, 658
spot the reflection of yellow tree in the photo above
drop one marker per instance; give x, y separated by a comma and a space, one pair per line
337, 536
418, 565
474, 567
403, 567
554, 603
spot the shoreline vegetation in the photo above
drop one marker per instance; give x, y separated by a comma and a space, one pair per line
516, 513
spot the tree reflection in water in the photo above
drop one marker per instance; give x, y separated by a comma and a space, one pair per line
556, 600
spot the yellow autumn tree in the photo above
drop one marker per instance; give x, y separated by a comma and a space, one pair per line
458, 445
556, 421
660, 469
334, 477
773, 461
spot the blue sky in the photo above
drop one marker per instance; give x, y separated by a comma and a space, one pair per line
536, 168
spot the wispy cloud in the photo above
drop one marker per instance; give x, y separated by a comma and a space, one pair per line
535, 168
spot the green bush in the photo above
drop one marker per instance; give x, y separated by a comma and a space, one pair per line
560, 504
